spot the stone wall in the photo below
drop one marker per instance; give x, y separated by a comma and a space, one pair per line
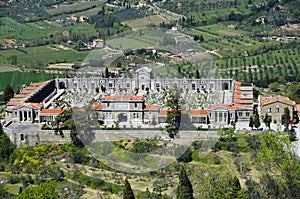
48, 136
37, 138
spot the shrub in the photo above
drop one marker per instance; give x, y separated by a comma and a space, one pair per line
2, 168
13, 179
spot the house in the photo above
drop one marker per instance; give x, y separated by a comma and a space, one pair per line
74, 18
274, 106
177, 27
83, 18
98, 43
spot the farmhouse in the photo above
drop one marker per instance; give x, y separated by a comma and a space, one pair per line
274, 106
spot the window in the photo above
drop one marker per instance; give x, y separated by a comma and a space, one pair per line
135, 105
193, 86
128, 85
135, 115
110, 85
247, 114
202, 120
211, 86
240, 114
277, 110
108, 104
269, 110
22, 137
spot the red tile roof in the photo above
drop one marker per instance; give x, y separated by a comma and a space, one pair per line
26, 93
270, 100
51, 111
8, 110
151, 107
98, 106
123, 98
31, 105
163, 112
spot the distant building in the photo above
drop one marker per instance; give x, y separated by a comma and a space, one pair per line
98, 43
83, 18
177, 27
274, 106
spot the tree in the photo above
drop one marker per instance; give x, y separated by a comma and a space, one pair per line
127, 191
4, 193
267, 120
8, 93
251, 122
13, 59
7, 147
185, 188
45, 190
256, 120
280, 166
286, 118
174, 102
1, 129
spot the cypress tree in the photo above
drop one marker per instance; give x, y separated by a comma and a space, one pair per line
127, 191
8, 93
1, 129
185, 188
251, 122
286, 118
256, 120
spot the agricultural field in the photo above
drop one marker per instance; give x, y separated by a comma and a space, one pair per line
143, 38
7, 68
263, 69
77, 6
33, 32
206, 35
239, 46
17, 79
146, 21
223, 30
41, 56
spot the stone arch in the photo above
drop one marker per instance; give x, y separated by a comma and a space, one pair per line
225, 86
122, 117
61, 85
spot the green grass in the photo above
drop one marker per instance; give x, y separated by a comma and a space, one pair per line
125, 42
17, 79
13, 188
218, 28
42, 55
143, 22
38, 30
74, 7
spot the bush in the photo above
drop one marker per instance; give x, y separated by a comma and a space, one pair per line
13, 179
2, 168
